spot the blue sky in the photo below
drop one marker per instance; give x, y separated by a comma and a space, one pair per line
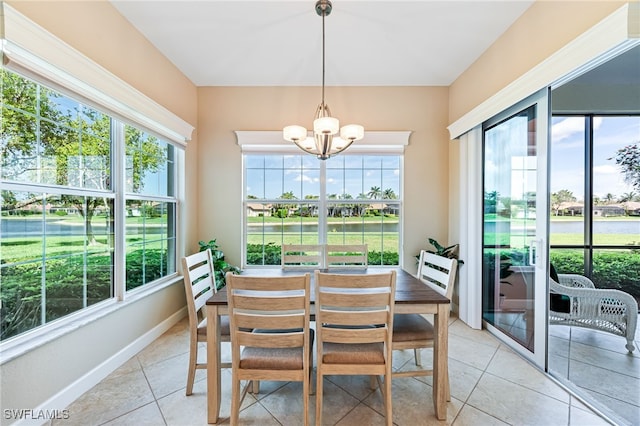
567, 162
270, 176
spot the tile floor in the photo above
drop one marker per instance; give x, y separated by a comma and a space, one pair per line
490, 385
598, 365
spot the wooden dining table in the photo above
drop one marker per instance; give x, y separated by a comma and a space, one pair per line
412, 297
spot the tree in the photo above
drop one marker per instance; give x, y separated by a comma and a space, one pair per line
360, 208
374, 192
562, 196
9, 200
609, 197
389, 194
628, 158
628, 196
491, 201
282, 210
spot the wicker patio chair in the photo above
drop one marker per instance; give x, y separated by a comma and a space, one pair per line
582, 305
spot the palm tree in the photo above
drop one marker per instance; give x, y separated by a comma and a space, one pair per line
389, 194
374, 192
609, 198
628, 196
360, 208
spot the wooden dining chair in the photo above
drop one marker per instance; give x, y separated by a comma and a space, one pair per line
346, 256
413, 331
270, 334
302, 256
199, 285
354, 321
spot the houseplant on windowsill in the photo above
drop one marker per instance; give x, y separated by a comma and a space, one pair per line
220, 266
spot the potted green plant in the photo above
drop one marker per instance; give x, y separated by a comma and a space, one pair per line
220, 266
450, 252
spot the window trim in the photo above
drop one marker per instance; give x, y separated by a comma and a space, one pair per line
373, 143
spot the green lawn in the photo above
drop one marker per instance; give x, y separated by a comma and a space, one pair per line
373, 240
358, 219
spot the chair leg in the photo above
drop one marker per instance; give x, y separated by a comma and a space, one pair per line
306, 386
373, 382
387, 399
416, 355
311, 388
630, 346
318, 398
235, 400
191, 373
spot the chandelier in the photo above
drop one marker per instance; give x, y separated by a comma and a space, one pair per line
325, 141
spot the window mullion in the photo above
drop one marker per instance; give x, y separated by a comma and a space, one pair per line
322, 205
118, 171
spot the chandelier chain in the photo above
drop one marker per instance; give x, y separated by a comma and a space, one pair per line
323, 104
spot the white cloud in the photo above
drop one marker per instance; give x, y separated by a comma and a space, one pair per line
597, 121
304, 178
606, 169
608, 179
567, 128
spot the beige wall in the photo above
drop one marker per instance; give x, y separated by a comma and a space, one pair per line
542, 30
97, 30
423, 110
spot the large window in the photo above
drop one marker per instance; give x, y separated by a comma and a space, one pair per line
298, 199
595, 199
62, 180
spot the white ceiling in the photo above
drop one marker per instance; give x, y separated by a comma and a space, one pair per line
368, 43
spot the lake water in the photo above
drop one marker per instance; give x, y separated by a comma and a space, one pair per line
625, 227
599, 227
17, 227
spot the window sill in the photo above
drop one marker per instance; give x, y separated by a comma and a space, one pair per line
19, 345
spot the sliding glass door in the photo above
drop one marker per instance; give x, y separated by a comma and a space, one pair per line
516, 226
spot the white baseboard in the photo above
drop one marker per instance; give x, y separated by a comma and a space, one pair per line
55, 406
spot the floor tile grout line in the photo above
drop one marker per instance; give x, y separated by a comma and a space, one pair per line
155, 397
475, 386
609, 396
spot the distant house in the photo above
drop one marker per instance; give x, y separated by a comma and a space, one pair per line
609, 210
571, 209
385, 208
632, 208
258, 209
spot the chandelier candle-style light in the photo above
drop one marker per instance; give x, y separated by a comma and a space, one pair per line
323, 144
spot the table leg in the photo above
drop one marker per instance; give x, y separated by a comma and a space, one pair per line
440, 361
213, 364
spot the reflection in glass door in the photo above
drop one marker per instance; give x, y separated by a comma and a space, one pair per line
515, 228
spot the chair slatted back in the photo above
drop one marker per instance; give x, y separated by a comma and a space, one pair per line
302, 256
199, 283
438, 272
278, 307
354, 308
346, 256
